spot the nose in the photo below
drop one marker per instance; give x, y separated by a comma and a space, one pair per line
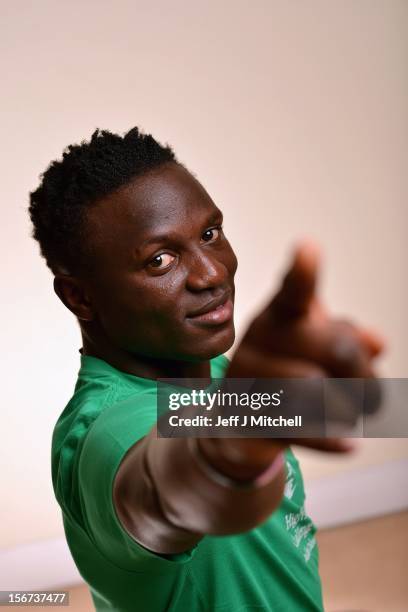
206, 272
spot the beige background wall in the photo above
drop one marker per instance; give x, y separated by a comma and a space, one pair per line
294, 117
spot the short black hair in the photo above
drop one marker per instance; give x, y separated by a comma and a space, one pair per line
86, 173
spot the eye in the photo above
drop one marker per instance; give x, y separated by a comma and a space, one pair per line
162, 261
212, 234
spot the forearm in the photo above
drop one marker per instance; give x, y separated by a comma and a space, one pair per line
167, 498
241, 459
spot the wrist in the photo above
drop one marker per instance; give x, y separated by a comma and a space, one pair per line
242, 459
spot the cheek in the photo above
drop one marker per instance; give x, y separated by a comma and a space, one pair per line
147, 311
145, 326
131, 295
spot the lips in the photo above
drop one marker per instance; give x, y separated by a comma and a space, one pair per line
216, 312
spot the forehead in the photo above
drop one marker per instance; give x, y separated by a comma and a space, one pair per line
159, 201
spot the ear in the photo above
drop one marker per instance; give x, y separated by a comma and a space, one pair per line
72, 294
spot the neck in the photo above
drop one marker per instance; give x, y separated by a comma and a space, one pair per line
143, 366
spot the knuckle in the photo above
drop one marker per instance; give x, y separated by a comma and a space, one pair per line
346, 350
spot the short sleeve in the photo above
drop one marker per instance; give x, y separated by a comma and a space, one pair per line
112, 434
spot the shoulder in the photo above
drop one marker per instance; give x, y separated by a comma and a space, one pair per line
87, 403
100, 423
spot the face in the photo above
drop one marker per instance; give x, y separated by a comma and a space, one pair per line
162, 280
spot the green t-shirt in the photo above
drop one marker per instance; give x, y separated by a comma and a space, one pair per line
273, 567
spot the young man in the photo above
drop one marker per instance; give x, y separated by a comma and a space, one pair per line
139, 256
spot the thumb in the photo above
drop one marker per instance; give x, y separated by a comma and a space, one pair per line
299, 284
373, 342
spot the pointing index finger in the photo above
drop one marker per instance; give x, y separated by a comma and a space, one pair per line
299, 284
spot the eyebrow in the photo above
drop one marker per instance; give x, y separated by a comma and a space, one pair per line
153, 240
215, 216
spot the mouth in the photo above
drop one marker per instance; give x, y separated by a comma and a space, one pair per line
216, 312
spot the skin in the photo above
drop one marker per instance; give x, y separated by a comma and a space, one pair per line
134, 308
157, 255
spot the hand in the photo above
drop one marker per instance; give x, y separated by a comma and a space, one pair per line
294, 337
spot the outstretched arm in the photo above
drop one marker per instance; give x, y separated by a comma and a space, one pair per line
167, 493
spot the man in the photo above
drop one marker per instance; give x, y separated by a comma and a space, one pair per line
139, 256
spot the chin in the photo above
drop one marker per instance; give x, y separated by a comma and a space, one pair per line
219, 342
